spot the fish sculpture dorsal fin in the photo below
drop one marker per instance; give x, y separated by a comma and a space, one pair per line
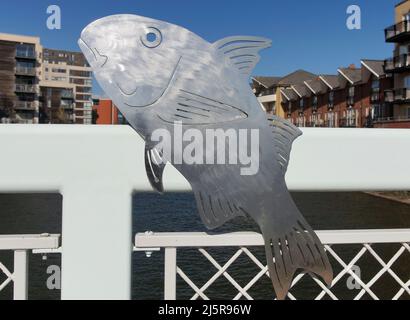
285, 133
242, 52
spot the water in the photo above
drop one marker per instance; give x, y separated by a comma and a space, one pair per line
21, 214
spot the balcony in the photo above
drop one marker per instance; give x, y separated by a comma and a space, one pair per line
398, 33
67, 94
26, 71
67, 106
375, 96
26, 54
347, 123
25, 105
397, 64
107, 250
26, 88
401, 95
392, 119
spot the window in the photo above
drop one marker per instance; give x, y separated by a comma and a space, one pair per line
375, 84
331, 98
331, 119
314, 101
403, 49
302, 103
407, 82
351, 117
22, 64
58, 79
58, 70
25, 50
301, 120
408, 112
351, 92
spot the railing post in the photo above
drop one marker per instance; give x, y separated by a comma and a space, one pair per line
170, 274
96, 243
20, 275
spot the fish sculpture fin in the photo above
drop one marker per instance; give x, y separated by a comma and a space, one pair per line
295, 247
284, 134
242, 52
193, 109
214, 209
154, 165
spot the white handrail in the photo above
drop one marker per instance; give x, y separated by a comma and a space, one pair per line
249, 239
98, 168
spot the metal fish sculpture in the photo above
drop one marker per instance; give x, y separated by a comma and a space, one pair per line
159, 75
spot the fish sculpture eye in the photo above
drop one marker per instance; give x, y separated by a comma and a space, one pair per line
152, 38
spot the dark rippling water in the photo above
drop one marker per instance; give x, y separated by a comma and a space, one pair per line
23, 214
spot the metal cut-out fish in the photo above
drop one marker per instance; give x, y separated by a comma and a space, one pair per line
158, 74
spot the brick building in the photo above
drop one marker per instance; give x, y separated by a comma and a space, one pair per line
375, 94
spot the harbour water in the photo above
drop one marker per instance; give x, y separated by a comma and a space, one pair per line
32, 214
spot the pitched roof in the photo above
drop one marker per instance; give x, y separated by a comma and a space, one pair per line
267, 82
301, 90
332, 81
289, 94
315, 85
374, 66
297, 77
353, 75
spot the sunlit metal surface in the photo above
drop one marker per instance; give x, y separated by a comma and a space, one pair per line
158, 74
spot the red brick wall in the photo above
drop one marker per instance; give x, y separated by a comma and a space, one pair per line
393, 125
107, 112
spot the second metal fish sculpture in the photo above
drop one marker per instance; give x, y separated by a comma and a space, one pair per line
162, 76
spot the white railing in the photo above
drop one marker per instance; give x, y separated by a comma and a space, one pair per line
97, 191
172, 242
21, 244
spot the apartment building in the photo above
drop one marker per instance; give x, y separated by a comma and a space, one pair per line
353, 98
68, 75
398, 98
375, 94
20, 61
40, 85
265, 90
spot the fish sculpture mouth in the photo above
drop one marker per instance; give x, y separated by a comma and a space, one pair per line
92, 54
130, 95
100, 60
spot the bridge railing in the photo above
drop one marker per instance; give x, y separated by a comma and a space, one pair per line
97, 169
172, 243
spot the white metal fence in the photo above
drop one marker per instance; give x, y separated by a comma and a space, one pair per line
21, 245
367, 239
243, 244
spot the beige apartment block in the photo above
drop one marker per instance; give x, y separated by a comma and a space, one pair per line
20, 71
40, 85
70, 70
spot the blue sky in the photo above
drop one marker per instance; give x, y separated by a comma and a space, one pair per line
309, 35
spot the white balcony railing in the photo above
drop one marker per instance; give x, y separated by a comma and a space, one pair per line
96, 190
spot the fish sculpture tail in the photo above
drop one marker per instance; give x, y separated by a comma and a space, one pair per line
292, 248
